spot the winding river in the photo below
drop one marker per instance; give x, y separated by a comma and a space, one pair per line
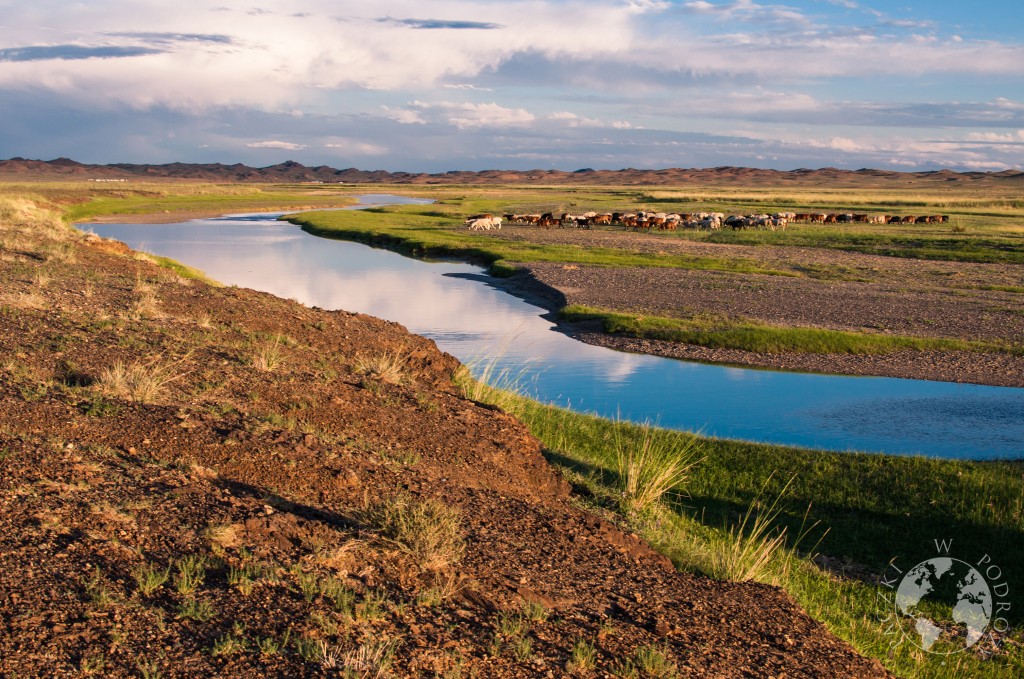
455, 305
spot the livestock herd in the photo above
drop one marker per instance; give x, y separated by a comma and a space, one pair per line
645, 221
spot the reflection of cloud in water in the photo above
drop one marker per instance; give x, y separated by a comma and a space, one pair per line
619, 371
741, 374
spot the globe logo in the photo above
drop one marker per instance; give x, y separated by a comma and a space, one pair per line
944, 599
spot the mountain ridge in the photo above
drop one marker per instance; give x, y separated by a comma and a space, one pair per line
292, 171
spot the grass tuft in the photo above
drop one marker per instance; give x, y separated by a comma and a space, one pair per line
149, 578
141, 382
427, 530
386, 366
650, 464
267, 356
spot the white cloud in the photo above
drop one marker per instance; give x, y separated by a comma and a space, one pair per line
573, 120
469, 115
274, 144
466, 86
295, 52
356, 147
403, 115
1013, 137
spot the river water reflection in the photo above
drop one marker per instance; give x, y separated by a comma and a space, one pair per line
453, 304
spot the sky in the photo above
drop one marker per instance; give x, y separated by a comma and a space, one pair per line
438, 85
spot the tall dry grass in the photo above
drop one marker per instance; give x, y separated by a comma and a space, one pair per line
649, 464
386, 366
425, 529
140, 382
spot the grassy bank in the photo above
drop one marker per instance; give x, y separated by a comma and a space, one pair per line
858, 512
82, 201
435, 232
748, 335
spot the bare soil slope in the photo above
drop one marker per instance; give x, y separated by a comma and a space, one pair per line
346, 506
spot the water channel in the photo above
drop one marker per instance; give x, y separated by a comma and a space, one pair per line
454, 304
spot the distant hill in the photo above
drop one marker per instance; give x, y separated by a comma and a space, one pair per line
291, 171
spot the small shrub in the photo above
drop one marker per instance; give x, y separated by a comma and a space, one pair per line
100, 407
655, 662
142, 382
583, 657
241, 578
387, 366
97, 590
512, 625
229, 644
522, 648
200, 611
371, 659
372, 607
311, 650
267, 356
342, 598
427, 530
149, 578
309, 585
148, 669
324, 623
93, 664
272, 646
624, 668
535, 612
191, 573
429, 597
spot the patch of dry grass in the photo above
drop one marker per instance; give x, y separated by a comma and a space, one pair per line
425, 529
267, 356
387, 366
649, 464
140, 382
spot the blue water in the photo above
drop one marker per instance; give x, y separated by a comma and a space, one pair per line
453, 304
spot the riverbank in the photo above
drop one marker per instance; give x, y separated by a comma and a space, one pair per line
953, 321
557, 288
215, 481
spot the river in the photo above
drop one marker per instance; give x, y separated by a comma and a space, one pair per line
454, 304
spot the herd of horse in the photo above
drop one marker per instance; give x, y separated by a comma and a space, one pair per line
670, 221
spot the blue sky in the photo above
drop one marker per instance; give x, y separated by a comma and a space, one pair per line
435, 85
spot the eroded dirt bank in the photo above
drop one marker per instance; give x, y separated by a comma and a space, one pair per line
149, 423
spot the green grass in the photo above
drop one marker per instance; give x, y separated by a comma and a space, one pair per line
748, 335
183, 270
860, 510
890, 241
162, 197
426, 233
985, 221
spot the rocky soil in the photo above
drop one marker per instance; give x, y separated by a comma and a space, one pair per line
201, 481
